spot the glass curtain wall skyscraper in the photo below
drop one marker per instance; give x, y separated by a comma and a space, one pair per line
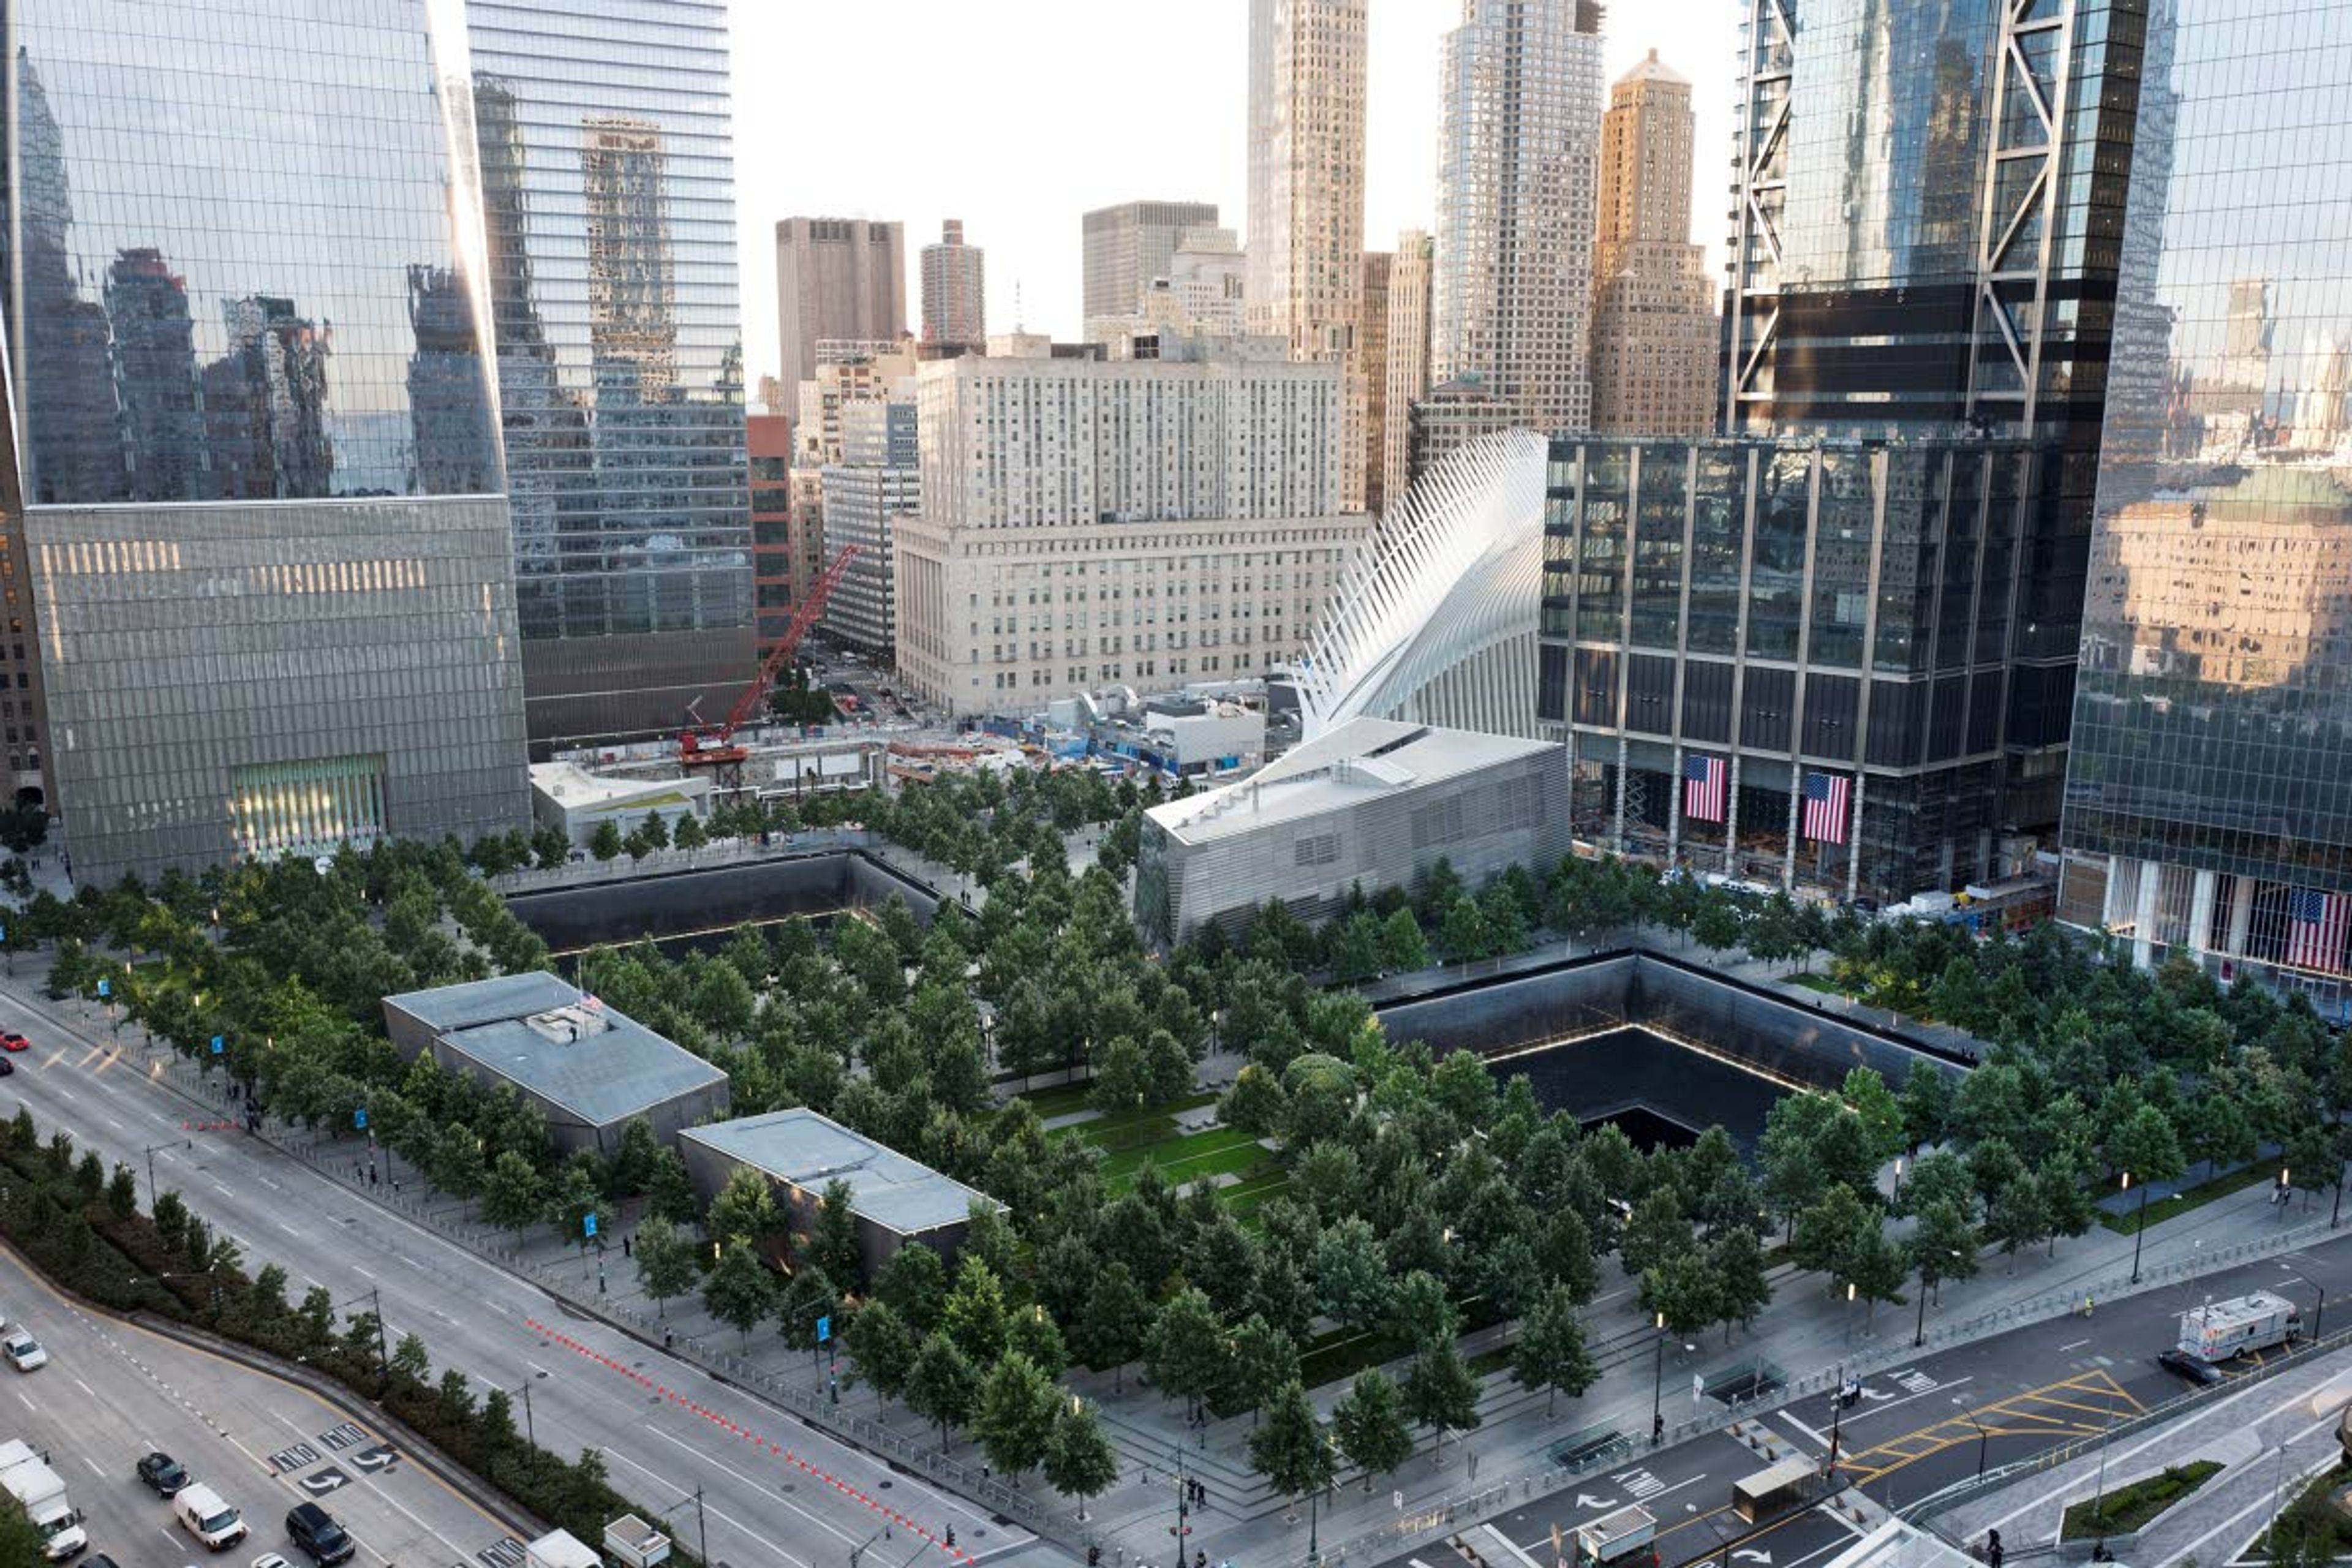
2209, 803
255, 539
606, 158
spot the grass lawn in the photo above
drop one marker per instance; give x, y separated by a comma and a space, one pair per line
2163, 1209
2308, 1518
2127, 1508
1205, 1153
1242, 1199
1059, 1101
1821, 982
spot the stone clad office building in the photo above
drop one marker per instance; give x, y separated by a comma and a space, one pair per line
253, 474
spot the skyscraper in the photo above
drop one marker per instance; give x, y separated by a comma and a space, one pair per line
2209, 789
1374, 353
1926, 220
1517, 169
1129, 246
1653, 327
607, 164
836, 278
955, 290
1306, 238
258, 509
1406, 371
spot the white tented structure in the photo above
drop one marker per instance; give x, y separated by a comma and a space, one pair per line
1436, 622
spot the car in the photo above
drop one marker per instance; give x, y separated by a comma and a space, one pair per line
12, 1041
203, 1515
7, 1066
2188, 1366
165, 1475
23, 1352
270, 1560
100, 1560
314, 1529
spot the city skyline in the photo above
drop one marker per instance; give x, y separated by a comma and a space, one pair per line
1176, 133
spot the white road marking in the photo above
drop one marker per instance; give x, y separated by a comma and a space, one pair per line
265, 1181
70, 1094
118, 1126
704, 1457
2078, 1344
223, 1190
28, 1404
86, 1388
287, 1228
539, 1369
361, 1272
1790, 1418
92, 1464
1885, 1405
745, 1530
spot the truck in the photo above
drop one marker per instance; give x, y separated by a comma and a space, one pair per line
1615, 1535
2218, 1331
559, 1549
42, 1493
636, 1543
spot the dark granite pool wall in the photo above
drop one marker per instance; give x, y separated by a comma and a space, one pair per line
682, 901
1638, 988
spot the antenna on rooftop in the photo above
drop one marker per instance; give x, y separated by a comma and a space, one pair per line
1019, 323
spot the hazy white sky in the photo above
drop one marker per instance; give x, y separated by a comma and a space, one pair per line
1019, 115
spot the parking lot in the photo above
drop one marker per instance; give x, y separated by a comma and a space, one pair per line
112, 1393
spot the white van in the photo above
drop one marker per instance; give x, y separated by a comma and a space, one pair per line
208, 1518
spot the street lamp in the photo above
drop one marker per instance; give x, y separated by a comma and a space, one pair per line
2284, 1193
1849, 1313
1658, 1389
2140, 1225
1983, 1437
1919, 1335
183, 1143
1895, 1203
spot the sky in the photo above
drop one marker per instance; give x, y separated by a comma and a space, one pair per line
1019, 115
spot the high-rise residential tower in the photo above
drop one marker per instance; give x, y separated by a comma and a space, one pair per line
1130, 245
257, 553
955, 290
836, 278
1653, 326
1306, 238
2209, 789
1373, 351
1518, 169
1406, 370
1847, 632
607, 170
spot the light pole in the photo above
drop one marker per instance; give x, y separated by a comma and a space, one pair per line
1658, 1389
2284, 1193
2139, 1226
2335, 1217
183, 1143
1895, 1203
1849, 1314
1983, 1438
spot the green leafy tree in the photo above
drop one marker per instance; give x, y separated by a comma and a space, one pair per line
1013, 1418
1034, 1335
123, 1193
1290, 1448
1184, 1350
739, 1292
1878, 1268
1403, 949
2146, 1147
744, 1209
1551, 1353
411, 1361
1830, 1235
1866, 1094
1927, 1102
605, 842
1682, 1291
806, 1296
1421, 1313
1352, 1277
1440, 1393
1079, 1460
943, 1386
455, 1165
690, 834
1465, 936
1112, 1325
1371, 1424
833, 1243
1735, 1259
1942, 1246
513, 1195
665, 1261
975, 1312
915, 1283
669, 1194
882, 1347
1262, 1359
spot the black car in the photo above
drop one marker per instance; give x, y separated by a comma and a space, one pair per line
99, 1560
316, 1532
7, 1066
2190, 1367
164, 1473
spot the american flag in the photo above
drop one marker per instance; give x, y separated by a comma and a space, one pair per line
1826, 801
1706, 784
2316, 925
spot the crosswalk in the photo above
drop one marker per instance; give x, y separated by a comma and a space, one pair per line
1914, 1381
1640, 1483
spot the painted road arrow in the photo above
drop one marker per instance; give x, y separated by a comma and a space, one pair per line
1585, 1499
1752, 1555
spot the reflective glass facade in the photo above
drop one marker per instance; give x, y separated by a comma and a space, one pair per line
2209, 803
607, 173
221, 293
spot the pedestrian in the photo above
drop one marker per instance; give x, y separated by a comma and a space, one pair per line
627, 1249
395, 1186
667, 1339
374, 1179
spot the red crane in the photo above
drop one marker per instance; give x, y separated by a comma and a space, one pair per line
715, 747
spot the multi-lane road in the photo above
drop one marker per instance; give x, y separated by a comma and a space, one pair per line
775, 1492
1920, 1425
112, 1393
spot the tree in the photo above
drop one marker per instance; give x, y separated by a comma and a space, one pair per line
691, 834
656, 829
1551, 1353
1013, 1419
1402, 947
1421, 1313
1735, 1258
605, 842
1370, 1426
1464, 937
514, 1196
744, 1209
1079, 1460
457, 1162
1291, 1449
1682, 1291
1866, 1094
882, 1348
1942, 1247
1356, 949
1352, 1277
1185, 1348
665, 1262
1263, 1359
974, 1314
1877, 1269
669, 1192
942, 1386
1440, 1393
832, 1244
807, 1296
2146, 1147
1110, 1328
1927, 1102
739, 1292
915, 1283
123, 1193
1036, 1335
1656, 1232
1830, 1235
411, 1360
2015, 1218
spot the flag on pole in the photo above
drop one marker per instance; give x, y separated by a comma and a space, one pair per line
1826, 795
1705, 787
2316, 925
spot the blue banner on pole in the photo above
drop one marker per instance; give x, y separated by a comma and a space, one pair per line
823, 1330
359, 1118
588, 1222
219, 1044
105, 989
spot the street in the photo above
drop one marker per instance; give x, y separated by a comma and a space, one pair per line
794, 1496
1920, 1427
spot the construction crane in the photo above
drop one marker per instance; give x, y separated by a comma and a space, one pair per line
715, 747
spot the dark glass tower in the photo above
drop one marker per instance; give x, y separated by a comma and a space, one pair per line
2209, 801
608, 191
